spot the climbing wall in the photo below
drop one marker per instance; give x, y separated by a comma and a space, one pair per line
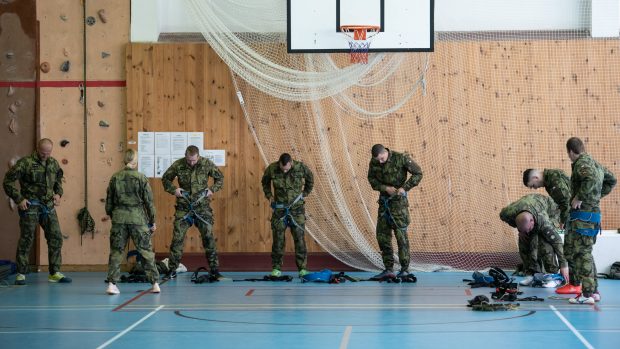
79, 106
18, 31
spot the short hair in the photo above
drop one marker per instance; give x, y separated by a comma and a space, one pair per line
285, 158
575, 145
44, 141
527, 174
130, 156
192, 150
377, 149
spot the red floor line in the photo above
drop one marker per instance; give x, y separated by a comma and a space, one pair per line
249, 293
64, 83
467, 292
135, 298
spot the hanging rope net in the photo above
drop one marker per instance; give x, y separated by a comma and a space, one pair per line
474, 114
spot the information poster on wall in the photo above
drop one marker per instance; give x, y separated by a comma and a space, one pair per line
218, 156
178, 143
146, 164
158, 150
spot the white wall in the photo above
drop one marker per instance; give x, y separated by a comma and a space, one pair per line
450, 15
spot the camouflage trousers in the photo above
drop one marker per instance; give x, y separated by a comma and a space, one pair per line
578, 250
205, 228
279, 223
537, 256
28, 222
141, 237
393, 216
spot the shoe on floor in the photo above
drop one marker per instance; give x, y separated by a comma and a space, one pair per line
171, 275
59, 278
276, 273
569, 289
580, 299
402, 274
216, 274
597, 296
384, 274
527, 281
112, 289
20, 280
551, 283
155, 288
303, 272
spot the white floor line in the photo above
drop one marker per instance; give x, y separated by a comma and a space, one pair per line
113, 339
572, 328
344, 343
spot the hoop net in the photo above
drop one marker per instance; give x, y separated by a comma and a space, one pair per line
359, 40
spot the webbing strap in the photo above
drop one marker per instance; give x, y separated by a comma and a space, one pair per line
288, 218
385, 200
189, 217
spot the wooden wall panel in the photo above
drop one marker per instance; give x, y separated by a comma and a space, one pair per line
187, 87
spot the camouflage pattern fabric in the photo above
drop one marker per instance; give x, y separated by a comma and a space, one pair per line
286, 188
393, 213
38, 181
557, 185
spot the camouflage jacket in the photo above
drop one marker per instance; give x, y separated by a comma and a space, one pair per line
590, 181
287, 186
546, 215
130, 199
557, 185
394, 173
37, 180
194, 180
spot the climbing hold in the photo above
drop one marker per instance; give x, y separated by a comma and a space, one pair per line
102, 147
13, 126
11, 91
19, 102
65, 161
63, 17
104, 123
120, 147
65, 66
13, 108
64, 143
12, 204
102, 16
102, 199
100, 104
10, 55
45, 67
90, 20
105, 219
65, 52
104, 54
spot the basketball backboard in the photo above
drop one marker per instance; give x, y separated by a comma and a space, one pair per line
314, 25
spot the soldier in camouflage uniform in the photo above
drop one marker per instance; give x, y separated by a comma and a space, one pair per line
40, 181
193, 196
590, 181
536, 217
387, 174
292, 182
557, 184
129, 203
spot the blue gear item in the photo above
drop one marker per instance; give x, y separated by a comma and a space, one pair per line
324, 275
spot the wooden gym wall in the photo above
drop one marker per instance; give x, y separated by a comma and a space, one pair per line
187, 87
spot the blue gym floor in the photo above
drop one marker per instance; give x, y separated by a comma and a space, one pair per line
429, 314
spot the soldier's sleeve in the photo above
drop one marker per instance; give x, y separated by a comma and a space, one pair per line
372, 179
147, 198
266, 183
168, 178
308, 180
218, 178
588, 182
13, 175
58, 184
561, 195
548, 232
508, 215
609, 182
109, 200
416, 173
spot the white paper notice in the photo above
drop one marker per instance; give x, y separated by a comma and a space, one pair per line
162, 162
195, 138
146, 165
178, 143
218, 156
162, 143
146, 143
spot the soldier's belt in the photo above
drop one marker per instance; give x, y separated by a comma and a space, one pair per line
288, 217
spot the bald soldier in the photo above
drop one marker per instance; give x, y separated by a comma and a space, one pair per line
40, 188
536, 217
387, 173
129, 202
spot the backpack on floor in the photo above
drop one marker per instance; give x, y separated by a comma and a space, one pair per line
614, 272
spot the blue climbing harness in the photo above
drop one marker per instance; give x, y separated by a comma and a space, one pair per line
590, 217
288, 218
44, 211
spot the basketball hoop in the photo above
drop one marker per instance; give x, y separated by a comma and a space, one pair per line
359, 37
